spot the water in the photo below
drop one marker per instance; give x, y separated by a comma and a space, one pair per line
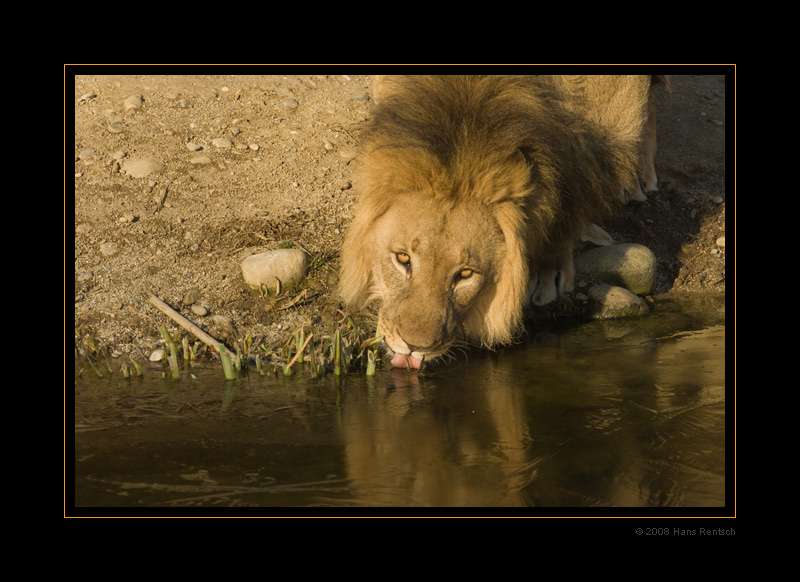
626, 414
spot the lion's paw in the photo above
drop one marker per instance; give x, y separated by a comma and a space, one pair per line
549, 283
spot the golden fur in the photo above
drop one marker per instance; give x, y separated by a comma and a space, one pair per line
472, 193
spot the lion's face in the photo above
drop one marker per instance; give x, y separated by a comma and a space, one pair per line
435, 272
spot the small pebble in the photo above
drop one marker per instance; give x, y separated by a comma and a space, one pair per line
134, 102
108, 248
194, 147
192, 296
141, 167
717, 199
199, 310
157, 355
222, 142
721, 242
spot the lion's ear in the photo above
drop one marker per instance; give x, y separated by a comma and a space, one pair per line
524, 156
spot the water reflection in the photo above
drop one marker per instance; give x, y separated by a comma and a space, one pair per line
639, 425
605, 415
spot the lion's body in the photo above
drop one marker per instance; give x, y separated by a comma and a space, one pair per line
472, 193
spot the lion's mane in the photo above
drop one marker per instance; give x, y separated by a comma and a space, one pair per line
542, 155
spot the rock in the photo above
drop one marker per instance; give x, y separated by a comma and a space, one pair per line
108, 249
632, 266
200, 160
134, 102
290, 103
611, 302
141, 167
88, 154
157, 355
199, 310
191, 296
222, 143
266, 269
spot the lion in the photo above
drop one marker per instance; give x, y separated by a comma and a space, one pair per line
473, 190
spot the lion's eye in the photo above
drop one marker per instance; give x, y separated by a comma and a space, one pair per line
465, 273
403, 259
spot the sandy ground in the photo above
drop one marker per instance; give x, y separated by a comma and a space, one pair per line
282, 175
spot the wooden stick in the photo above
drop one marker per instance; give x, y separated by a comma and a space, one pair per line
185, 323
300, 351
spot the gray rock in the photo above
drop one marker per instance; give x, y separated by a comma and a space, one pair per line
265, 269
611, 302
632, 266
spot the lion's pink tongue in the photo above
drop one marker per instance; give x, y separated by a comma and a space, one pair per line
405, 360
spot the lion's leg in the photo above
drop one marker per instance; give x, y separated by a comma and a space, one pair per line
633, 193
554, 275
